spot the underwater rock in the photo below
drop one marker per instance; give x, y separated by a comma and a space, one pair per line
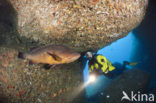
81, 24
134, 80
152, 90
24, 83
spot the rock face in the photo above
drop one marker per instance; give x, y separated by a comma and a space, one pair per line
81, 24
78, 24
24, 83
133, 80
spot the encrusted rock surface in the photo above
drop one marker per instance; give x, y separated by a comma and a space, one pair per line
81, 24
132, 80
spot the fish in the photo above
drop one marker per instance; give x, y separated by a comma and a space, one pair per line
50, 54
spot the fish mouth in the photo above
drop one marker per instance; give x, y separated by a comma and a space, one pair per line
78, 56
74, 56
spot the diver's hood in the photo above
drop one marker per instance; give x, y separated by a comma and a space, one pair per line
89, 55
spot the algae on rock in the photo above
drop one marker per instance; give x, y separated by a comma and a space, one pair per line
81, 24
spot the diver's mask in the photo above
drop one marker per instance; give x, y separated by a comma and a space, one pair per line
89, 55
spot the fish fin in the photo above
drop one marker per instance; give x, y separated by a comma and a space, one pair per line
32, 62
48, 66
57, 58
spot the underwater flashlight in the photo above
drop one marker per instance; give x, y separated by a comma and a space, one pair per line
91, 78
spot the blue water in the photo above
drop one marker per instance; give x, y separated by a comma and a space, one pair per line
130, 48
138, 46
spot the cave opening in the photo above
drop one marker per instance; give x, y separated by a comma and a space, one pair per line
138, 46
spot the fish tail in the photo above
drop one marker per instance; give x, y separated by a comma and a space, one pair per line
21, 55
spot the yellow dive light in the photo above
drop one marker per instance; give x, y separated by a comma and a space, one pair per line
92, 78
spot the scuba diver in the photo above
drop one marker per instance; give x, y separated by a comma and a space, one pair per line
100, 65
